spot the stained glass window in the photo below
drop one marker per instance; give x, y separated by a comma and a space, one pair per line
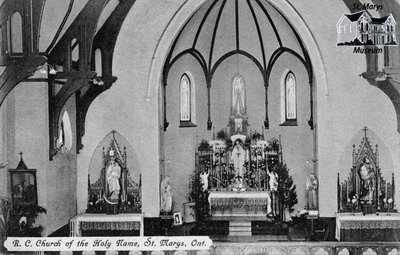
185, 98
290, 97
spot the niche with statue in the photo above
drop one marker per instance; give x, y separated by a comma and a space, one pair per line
116, 190
365, 189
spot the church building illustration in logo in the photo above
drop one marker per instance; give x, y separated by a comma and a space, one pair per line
358, 29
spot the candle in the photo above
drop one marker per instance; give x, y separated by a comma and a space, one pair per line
386, 194
347, 190
340, 194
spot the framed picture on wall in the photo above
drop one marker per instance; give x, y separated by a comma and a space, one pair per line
23, 185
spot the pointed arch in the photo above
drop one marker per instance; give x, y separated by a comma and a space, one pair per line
65, 137
15, 34
117, 146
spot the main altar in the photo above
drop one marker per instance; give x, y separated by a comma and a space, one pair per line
237, 169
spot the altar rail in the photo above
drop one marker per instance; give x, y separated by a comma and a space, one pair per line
275, 248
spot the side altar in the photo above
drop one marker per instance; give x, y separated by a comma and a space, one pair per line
114, 198
366, 209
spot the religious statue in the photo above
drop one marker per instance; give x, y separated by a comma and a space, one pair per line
238, 96
204, 180
166, 195
273, 181
367, 175
312, 187
113, 176
238, 158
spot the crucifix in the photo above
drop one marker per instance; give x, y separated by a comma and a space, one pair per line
365, 131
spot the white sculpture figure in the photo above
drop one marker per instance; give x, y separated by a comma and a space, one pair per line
273, 181
166, 195
312, 187
367, 174
204, 180
238, 158
238, 96
113, 175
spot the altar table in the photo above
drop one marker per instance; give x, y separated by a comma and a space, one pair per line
92, 221
370, 227
239, 204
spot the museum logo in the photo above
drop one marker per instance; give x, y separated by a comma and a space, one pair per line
361, 29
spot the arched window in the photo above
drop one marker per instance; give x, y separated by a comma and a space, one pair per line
64, 141
97, 62
186, 101
75, 54
290, 97
15, 30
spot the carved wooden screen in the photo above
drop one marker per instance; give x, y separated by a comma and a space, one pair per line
129, 197
215, 157
365, 190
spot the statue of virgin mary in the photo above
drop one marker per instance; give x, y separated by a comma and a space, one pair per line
238, 96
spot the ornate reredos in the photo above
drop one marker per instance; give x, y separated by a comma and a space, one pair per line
129, 198
365, 150
120, 156
352, 189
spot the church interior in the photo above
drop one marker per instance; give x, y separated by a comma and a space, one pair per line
241, 120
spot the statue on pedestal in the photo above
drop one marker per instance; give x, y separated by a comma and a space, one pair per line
238, 157
367, 175
166, 195
312, 187
204, 180
113, 175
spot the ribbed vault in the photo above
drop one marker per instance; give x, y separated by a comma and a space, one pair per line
251, 28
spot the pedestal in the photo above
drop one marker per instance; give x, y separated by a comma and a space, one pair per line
166, 224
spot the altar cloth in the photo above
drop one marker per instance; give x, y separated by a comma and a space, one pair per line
239, 204
92, 221
370, 227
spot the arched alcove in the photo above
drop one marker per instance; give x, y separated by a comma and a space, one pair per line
385, 155
368, 183
116, 146
248, 39
220, 30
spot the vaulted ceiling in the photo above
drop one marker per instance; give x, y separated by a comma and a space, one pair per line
222, 28
254, 29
